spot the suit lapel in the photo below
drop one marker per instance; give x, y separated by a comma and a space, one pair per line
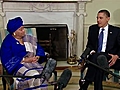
96, 35
109, 37
98, 30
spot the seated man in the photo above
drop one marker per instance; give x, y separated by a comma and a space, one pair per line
103, 39
20, 54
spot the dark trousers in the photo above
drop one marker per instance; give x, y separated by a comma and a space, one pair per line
95, 74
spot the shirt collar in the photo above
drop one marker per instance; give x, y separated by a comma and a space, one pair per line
105, 28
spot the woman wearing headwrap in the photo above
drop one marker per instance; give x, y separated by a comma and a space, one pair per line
19, 56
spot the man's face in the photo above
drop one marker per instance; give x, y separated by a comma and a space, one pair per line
102, 20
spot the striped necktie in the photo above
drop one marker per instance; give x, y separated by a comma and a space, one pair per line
100, 40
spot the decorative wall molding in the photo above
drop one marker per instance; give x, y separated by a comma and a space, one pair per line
10, 6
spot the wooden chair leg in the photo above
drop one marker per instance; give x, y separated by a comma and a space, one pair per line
55, 79
9, 82
115, 78
4, 83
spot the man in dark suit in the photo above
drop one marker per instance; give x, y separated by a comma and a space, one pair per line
110, 48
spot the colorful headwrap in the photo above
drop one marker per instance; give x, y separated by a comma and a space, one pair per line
14, 24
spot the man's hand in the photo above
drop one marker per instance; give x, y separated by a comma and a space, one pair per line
113, 60
92, 52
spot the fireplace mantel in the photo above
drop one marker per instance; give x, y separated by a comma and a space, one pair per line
74, 8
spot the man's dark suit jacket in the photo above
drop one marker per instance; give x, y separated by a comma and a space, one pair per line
113, 40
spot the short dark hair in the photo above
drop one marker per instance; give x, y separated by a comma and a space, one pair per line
105, 12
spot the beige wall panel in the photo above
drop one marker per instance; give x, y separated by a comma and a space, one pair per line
95, 5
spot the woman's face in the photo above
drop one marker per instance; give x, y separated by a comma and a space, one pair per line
20, 32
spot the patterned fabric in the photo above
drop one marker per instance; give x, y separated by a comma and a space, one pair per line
30, 45
30, 69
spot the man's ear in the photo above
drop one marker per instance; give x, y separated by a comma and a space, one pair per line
108, 18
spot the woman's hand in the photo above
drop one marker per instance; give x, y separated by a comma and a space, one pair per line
36, 58
113, 60
31, 59
28, 60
